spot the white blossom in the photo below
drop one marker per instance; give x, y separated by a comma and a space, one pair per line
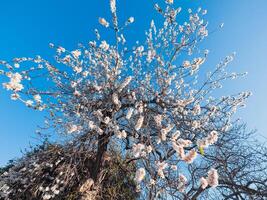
106, 120
190, 156
175, 135
91, 125
131, 20
76, 53
184, 143
203, 182
158, 119
169, 1
104, 45
72, 128
121, 134
129, 113
61, 50
204, 12
182, 180
213, 177
161, 166
139, 123
115, 99
14, 83
174, 167
29, 103
140, 175
15, 96
138, 150
77, 69
197, 110
16, 65
124, 83
152, 182
195, 124
77, 93
113, 6
103, 22
149, 149
186, 64
209, 140
165, 131
47, 196
37, 98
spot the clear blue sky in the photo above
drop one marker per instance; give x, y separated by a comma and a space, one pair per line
28, 26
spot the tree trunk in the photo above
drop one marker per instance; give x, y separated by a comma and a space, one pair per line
101, 149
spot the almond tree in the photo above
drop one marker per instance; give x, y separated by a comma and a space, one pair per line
147, 98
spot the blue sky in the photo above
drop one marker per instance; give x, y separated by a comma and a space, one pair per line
28, 26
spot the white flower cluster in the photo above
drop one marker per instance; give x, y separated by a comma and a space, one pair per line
115, 99
139, 123
140, 150
213, 177
182, 183
209, 140
140, 175
104, 45
190, 156
158, 119
165, 131
93, 126
113, 6
14, 83
72, 128
196, 110
179, 146
120, 134
161, 166
211, 180
129, 113
124, 83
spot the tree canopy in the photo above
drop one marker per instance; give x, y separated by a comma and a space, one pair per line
153, 101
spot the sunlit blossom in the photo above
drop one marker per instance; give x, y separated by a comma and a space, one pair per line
113, 6
138, 150
139, 123
104, 45
203, 182
103, 22
72, 128
190, 156
169, 1
14, 96
161, 166
124, 83
140, 175
129, 113
14, 83
37, 98
186, 64
209, 140
213, 177
76, 53
131, 20
182, 180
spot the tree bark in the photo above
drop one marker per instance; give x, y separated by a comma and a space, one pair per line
101, 149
